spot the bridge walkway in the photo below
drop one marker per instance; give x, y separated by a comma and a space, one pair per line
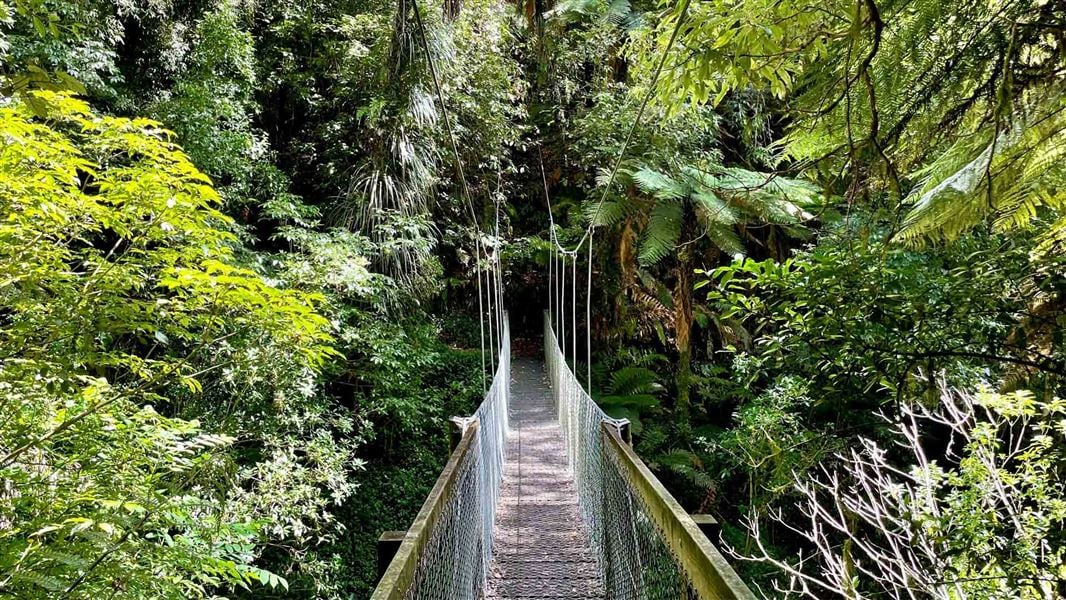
541, 547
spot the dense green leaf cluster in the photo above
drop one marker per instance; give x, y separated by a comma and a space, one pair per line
121, 295
239, 347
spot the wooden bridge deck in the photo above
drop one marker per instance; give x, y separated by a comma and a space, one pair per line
541, 550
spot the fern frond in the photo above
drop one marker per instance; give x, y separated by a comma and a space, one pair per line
726, 239
658, 184
1053, 241
712, 210
605, 214
941, 206
662, 231
1007, 179
635, 380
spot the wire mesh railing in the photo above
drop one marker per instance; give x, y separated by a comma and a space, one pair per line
447, 552
646, 546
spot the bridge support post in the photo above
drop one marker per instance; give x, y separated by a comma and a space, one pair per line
708, 525
456, 428
388, 545
624, 431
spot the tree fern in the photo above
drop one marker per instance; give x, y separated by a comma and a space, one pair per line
685, 464
630, 381
726, 239
659, 184
879, 90
712, 210
1005, 178
662, 232
618, 13
721, 198
606, 213
632, 390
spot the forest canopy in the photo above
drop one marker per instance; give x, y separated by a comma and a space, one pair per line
242, 246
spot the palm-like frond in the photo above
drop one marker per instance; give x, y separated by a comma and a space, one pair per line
659, 184
767, 196
662, 231
619, 13
726, 239
605, 214
686, 464
1053, 241
711, 210
632, 391
635, 380
1006, 178
721, 198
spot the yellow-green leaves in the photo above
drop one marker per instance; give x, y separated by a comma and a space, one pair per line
727, 45
120, 293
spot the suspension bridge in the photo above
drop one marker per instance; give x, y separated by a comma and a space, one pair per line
543, 497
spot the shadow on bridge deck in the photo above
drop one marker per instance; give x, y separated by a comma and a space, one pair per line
541, 547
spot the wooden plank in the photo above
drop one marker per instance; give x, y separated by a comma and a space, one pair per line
708, 525
710, 573
388, 544
401, 572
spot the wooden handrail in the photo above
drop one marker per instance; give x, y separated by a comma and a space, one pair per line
705, 567
401, 572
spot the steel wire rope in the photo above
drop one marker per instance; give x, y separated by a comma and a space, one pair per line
491, 314
552, 288
462, 179
682, 12
588, 324
497, 253
573, 312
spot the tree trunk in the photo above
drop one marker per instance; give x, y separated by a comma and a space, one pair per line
683, 341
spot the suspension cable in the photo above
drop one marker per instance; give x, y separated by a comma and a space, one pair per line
559, 291
462, 179
552, 291
640, 114
562, 302
499, 259
573, 310
491, 315
588, 324
551, 280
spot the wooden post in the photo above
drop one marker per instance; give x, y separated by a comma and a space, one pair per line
624, 430
388, 544
456, 428
708, 525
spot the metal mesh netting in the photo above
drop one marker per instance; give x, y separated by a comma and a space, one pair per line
630, 549
454, 563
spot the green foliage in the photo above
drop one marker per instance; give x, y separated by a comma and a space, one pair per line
770, 443
417, 384
1010, 178
281, 105
633, 391
738, 43
191, 359
211, 109
117, 279
983, 523
905, 310
850, 329
879, 99
721, 198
